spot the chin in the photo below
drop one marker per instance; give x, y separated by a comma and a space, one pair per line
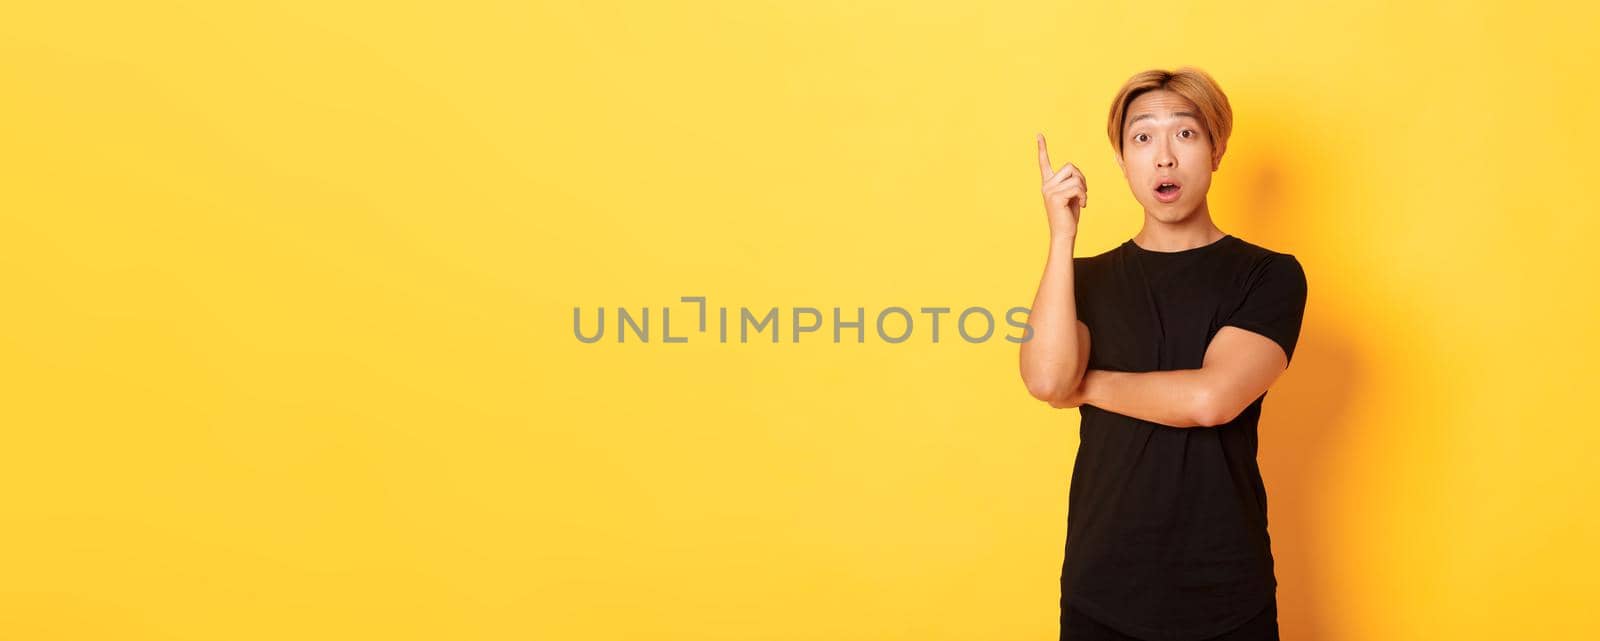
1170, 212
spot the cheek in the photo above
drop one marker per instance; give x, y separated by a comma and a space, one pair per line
1199, 164
1198, 155
1135, 169
1134, 180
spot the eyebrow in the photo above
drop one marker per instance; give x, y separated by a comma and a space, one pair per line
1151, 115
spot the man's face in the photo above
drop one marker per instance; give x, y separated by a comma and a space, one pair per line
1163, 140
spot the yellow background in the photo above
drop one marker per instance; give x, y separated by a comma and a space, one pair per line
288, 294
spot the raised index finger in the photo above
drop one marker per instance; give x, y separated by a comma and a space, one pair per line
1045, 171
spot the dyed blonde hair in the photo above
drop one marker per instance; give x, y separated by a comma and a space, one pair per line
1193, 84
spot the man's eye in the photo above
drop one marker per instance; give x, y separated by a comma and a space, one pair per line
1136, 137
1187, 131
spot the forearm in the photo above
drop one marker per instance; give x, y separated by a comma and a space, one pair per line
1175, 398
1053, 358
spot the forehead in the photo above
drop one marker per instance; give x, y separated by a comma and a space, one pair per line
1160, 104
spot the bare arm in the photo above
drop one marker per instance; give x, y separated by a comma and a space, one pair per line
1172, 397
1054, 357
1239, 366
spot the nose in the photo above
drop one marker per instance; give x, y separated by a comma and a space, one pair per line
1164, 156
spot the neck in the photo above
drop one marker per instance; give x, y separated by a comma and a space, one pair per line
1193, 230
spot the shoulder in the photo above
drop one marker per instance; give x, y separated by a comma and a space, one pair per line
1095, 273
1095, 260
1266, 265
1265, 259
1254, 250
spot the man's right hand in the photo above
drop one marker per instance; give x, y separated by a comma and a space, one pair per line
1065, 191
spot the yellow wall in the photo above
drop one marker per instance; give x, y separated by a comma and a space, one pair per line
288, 296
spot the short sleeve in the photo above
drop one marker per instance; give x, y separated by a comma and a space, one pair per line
1080, 286
1274, 303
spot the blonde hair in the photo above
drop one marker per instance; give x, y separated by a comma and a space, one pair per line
1193, 84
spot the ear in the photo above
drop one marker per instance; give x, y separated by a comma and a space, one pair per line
1120, 165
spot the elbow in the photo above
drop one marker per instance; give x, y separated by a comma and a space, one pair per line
1205, 419
1211, 409
1044, 387
1041, 387
1050, 380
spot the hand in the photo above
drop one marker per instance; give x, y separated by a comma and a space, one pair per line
1065, 192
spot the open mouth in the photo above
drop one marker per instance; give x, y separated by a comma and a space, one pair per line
1167, 191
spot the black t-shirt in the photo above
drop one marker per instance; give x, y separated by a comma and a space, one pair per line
1167, 526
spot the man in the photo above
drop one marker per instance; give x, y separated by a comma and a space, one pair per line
1166, 344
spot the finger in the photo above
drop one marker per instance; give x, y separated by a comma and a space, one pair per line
1064, 188
1074, 182
1065, 196
1067, 171
1044, 159
1065, 175
1071, 190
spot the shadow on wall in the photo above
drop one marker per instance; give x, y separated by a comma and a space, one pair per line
1303, 417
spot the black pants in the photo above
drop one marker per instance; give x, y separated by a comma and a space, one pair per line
1077, 626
